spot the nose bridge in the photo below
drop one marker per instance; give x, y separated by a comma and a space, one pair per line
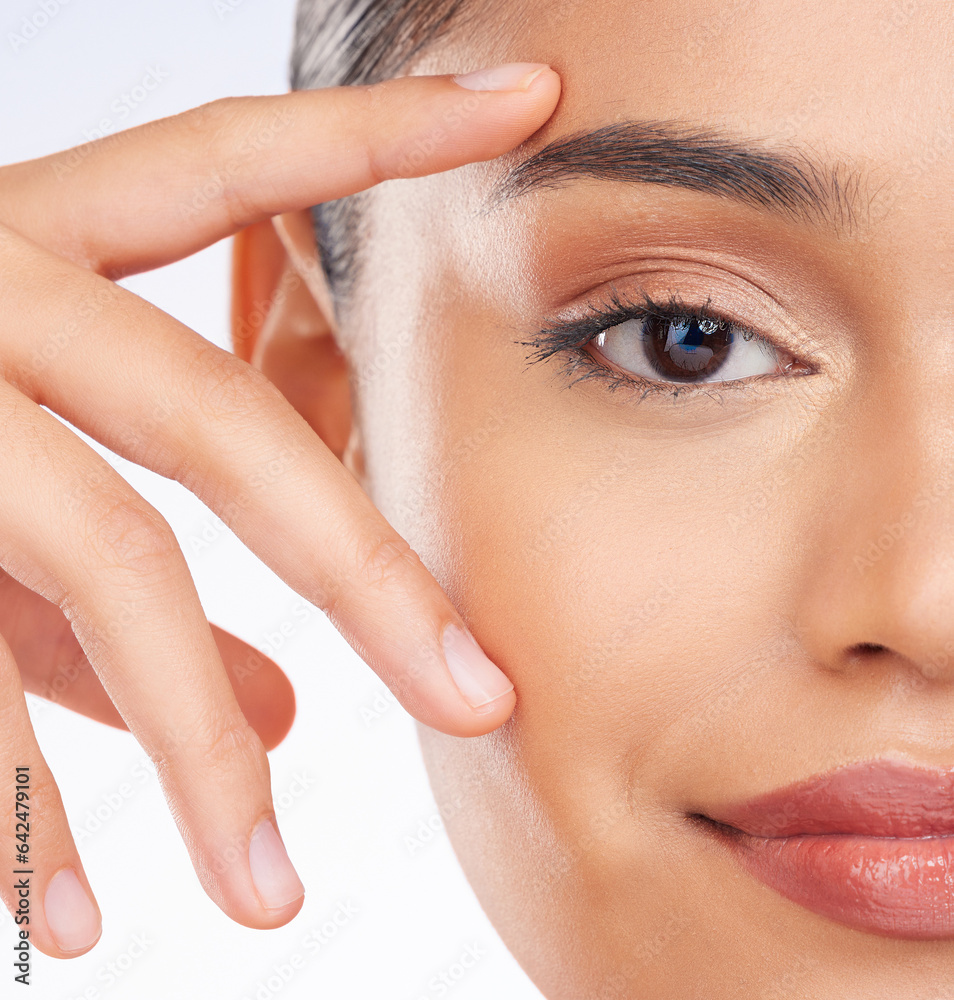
881, 578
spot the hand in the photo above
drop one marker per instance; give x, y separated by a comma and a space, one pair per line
95, 575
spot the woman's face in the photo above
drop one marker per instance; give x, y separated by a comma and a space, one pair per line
712, 590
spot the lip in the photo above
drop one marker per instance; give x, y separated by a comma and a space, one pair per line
870, 845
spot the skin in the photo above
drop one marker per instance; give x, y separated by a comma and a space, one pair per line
672, 584
96, 593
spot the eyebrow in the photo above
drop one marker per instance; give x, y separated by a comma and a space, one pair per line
707, 160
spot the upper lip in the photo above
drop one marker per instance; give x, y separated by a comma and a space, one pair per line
880, 798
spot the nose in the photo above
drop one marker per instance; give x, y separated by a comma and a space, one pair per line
878, 587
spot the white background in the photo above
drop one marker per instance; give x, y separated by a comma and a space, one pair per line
351, 794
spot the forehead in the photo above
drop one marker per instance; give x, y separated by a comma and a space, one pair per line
773, 63
864, 85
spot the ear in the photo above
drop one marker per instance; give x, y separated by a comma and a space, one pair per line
283, 323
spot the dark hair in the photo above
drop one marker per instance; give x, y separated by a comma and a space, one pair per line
341, 42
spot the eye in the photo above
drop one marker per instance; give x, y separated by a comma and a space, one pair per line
668, 347
686, 348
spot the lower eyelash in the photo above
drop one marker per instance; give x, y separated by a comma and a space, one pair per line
577, 360
568, 340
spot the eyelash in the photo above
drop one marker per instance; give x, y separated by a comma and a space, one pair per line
571, 337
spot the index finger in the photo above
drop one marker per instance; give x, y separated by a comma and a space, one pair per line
154, 194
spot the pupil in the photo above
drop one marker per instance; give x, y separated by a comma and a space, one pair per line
683, 348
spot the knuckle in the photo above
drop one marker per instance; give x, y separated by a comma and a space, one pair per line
378, 110
234, 131
213, 128
232, 746
45, 811
225, 387
45, 799
206, 122
385, 560
378, 165
13, 720
127, 532
235, 746
382, 563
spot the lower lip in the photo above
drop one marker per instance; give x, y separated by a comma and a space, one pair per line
897, 886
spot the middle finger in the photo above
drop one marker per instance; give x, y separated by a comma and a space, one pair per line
74, 531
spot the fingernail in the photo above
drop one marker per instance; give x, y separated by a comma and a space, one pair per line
276, 881
509, 76
479, 680
70, 913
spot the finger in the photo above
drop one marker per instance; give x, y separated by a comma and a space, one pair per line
162, 191
195, 413
265, 694
44, 886
54, 666
81, 537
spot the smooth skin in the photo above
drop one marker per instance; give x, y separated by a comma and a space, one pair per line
699, 599
94, 577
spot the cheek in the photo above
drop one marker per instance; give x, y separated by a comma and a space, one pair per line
626, 577
613, 576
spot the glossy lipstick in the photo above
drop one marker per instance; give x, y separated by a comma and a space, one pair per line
870, 845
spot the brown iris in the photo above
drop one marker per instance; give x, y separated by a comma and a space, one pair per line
685, 347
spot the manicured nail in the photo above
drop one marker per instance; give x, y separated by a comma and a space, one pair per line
276, 881
509, 76
479, 680
70, 914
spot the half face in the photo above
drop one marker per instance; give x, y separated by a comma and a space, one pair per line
667, 411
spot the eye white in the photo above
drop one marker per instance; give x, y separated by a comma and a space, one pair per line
628, 345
